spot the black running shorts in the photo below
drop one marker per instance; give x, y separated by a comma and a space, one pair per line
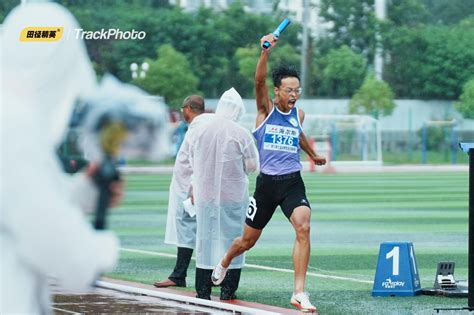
287, 191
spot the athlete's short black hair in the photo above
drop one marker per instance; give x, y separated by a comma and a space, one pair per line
284, 71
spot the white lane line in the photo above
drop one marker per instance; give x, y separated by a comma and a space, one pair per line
148, 252
314, 274
64, 311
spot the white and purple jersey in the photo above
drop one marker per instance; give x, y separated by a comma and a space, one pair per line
278, 142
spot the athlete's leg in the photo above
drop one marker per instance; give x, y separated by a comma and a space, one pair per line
300, 219
241, 244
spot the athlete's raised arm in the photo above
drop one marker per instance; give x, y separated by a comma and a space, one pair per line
264, 101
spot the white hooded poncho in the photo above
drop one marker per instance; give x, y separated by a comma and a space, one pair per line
221, 154
42, 230
180, 225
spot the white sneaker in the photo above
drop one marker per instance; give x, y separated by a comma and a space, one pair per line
301, 302
218, 274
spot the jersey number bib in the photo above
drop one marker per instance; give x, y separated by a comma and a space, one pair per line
279, 138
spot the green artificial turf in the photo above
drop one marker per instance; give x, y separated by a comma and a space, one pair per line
352, 215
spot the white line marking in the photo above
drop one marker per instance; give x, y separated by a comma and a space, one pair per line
314, 274
148, 252
181, 298
65, 311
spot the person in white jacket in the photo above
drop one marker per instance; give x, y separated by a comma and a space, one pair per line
221, 154
43, 232
180, 224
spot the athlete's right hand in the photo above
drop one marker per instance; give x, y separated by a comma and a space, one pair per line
268, 38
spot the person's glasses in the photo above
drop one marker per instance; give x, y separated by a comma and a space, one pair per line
183, 107
290, 90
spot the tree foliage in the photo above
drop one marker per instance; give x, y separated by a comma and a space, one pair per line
466, 102
446, 12
343, 72
374, 98
246, 59
408, 13
171, 76
449, 59
352, 23
428, 44
430, 61
209, 39
402, 69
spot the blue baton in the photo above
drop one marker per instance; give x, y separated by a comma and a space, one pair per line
277, 32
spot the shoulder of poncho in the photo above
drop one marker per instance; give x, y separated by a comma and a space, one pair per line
238, 130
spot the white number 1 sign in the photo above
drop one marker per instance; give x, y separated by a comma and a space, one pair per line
395, 254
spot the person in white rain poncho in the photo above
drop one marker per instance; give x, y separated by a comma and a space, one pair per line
222, 153
181, 225
42, 228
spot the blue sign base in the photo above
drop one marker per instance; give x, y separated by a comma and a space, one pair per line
397, 272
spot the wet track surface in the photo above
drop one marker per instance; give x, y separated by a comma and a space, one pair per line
102, 301
113, 296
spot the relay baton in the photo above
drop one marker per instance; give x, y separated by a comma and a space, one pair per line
277, 32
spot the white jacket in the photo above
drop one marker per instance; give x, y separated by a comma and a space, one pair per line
180, 225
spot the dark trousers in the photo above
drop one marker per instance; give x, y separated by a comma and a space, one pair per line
204, 284
230, 284
179, 273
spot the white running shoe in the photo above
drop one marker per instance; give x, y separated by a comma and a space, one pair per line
218, 274
301, 302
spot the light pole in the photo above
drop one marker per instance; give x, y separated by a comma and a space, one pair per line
139, 71
304, 47
381, 14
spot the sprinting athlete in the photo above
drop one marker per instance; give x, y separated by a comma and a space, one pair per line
279, 138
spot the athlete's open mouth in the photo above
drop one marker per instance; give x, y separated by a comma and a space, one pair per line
291, 103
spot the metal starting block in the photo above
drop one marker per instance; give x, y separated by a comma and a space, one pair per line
445, 276
445, 284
